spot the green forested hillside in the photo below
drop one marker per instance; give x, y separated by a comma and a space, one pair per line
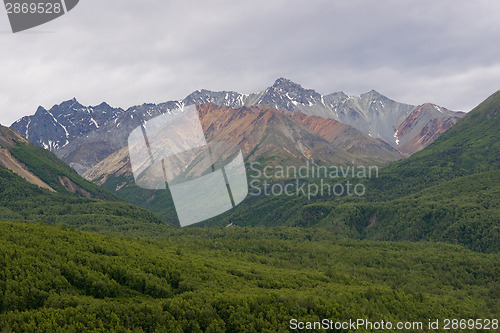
75, 202
23, 157
20, 200
450, 191
158, 201
231, 279
51, 170
465, 210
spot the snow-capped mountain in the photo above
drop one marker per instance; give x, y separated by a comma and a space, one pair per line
84, 135
57, 127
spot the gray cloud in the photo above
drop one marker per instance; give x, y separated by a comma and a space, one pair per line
129, 52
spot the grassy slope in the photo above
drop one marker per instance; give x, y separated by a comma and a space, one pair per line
231, 279
49, 168
20, 200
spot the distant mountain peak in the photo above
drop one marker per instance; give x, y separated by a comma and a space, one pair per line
373, 94
40, 110
283, 81
70, 103
103, 104
287, 85
284, 94
339, 94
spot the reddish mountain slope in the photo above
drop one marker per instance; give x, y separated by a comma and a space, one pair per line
424, 125
262, 130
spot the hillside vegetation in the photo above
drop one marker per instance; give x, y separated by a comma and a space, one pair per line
231, 279
73, 201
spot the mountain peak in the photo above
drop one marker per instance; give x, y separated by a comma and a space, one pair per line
372, 92
286, 83
40, 110
103, 105
72, 100
69, 103
287, 95
282, 80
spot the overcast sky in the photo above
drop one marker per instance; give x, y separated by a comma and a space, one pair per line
129, 52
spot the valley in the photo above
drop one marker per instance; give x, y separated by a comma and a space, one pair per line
422, 242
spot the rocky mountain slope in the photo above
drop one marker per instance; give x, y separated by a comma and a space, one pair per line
9, 139
279, 137
424, 125
84, 136
265, 135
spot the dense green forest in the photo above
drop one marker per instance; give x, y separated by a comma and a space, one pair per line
54, 279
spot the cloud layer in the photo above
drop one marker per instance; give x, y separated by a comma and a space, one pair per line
129, 52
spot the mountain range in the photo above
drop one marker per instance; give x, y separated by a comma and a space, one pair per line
264, 134
83, 136
447, 191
